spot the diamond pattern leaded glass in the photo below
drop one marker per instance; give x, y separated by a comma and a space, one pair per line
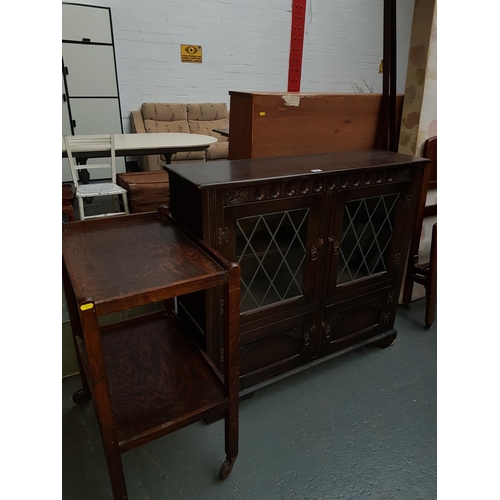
271, 251
367, 229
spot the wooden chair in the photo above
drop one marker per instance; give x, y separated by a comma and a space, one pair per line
417, 272
105, 143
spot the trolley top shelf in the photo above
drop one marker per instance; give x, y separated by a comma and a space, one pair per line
127, 261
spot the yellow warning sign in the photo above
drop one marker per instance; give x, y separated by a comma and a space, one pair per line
191, 53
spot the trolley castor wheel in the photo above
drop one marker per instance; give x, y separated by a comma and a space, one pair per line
226, 468
81, 397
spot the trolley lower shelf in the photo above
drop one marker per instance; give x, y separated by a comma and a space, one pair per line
158, 380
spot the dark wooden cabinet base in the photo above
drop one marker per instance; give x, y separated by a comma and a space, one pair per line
321, 241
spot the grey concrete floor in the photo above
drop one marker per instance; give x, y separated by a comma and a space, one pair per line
361, 426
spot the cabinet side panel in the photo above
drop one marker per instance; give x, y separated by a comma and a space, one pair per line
185, 204
240, 126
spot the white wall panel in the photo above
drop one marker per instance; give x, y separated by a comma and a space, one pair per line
246, 47
91, 70
80, 23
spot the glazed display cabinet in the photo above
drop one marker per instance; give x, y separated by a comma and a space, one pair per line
321, 241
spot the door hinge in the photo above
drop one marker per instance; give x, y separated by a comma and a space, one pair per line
397, 259
407, 201
73, 123
66, 70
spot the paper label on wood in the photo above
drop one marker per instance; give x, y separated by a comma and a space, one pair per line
291, 100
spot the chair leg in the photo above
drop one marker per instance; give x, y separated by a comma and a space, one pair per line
431, 282
81, 209
408, 282
125, 203
69, 211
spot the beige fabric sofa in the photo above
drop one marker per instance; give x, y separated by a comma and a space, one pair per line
199, 118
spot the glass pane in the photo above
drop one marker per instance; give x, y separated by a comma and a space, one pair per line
271, 251
367, 229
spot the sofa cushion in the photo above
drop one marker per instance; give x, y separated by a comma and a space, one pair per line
207, 127
189, 156
163, 111
207, 111
179, 126
218, 151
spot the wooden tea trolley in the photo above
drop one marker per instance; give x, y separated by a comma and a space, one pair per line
146, 375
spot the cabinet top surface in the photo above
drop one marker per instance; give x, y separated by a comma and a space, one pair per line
303, 94
114, 258
241, 172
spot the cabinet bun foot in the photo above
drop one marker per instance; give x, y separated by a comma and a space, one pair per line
81, 397
388, 341
226, 468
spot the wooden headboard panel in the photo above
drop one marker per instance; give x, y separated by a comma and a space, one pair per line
270, 124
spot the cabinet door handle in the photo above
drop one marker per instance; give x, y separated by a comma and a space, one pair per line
326, 329
314, 249
336, 245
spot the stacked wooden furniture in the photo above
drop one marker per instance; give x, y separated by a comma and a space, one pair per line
424, 271
147, 377
269, 124
321, 241
146, 191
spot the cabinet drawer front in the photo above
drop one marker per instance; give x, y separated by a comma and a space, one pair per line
352, 321
273, 349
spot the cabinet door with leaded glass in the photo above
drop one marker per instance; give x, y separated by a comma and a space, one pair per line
365, 237
277, 245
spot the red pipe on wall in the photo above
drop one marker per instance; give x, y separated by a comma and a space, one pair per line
296, 45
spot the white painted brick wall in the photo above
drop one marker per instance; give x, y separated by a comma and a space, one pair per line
343, 44
245, 47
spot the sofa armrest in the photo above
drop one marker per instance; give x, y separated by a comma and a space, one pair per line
137, 122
